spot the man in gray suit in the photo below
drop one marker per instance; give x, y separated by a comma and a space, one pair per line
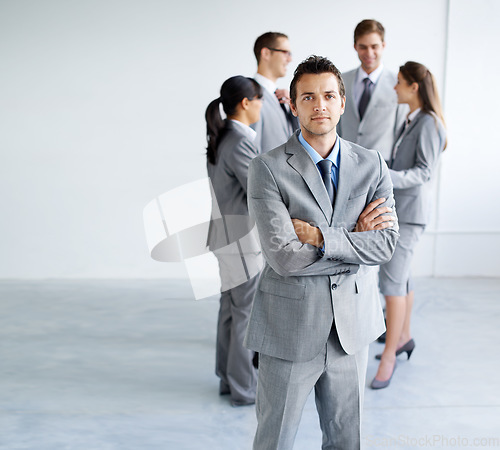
276, 123
372, 113
317, 307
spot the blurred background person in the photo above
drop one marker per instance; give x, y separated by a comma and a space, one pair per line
277, 123
415, 155
231, 147
372, 114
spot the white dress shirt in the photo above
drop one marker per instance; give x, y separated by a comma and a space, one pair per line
358, 85
265, 82
248, 132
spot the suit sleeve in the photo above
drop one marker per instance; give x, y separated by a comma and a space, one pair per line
429, 146
240, 161
368, 247
282, 249
258, 127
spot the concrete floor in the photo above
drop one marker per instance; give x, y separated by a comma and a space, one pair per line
125, 365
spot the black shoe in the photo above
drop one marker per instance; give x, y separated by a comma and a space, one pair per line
255, 360
235, 404
224, 388
408, 348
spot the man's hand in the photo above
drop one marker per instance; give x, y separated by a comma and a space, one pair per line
308, 234
283, 96
372, 219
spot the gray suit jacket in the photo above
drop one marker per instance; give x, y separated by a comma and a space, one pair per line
230, 219
274, 127
382, 117
413, 166
301, 292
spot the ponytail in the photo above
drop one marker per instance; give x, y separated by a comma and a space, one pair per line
215, 126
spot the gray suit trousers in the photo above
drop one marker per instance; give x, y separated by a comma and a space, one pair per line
284, 386
234, 362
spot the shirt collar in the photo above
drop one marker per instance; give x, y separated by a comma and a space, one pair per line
412, 115
316, 157
265, 82
374, 76
248, 132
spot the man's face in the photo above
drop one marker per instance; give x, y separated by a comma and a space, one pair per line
279, 60
318, 104
370, 49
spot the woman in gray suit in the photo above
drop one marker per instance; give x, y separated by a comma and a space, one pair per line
230, 149
414, 157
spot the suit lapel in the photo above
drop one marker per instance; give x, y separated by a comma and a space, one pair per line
278, 111
395, 150
300, 161
348, 162
350, 90
380, 89
414, 122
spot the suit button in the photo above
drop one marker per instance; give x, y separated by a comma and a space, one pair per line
334, 286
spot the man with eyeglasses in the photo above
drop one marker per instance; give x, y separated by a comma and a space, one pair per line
277, 123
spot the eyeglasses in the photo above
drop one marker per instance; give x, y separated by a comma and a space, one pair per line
286, 52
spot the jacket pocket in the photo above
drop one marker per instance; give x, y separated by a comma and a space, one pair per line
358, 194
282, 289
364, 281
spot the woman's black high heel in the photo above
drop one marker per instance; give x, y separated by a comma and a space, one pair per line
408, 348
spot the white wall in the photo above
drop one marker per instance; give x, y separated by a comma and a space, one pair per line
102, 109
465, 237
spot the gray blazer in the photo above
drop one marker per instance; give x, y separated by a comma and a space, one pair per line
230, 219
274, 127
300, 291
382, 117
413, 166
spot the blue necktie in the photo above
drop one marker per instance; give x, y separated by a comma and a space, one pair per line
325, 168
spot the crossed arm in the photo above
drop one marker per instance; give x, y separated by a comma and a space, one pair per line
290, 253
372, 218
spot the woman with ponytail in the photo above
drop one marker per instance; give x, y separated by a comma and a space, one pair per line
414, 158
229, 152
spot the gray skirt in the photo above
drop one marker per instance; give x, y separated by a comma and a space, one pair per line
395, 276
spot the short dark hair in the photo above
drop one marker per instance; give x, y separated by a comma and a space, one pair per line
368, 26
315, 65
266, 40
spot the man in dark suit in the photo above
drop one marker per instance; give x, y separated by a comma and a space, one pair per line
277, 123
